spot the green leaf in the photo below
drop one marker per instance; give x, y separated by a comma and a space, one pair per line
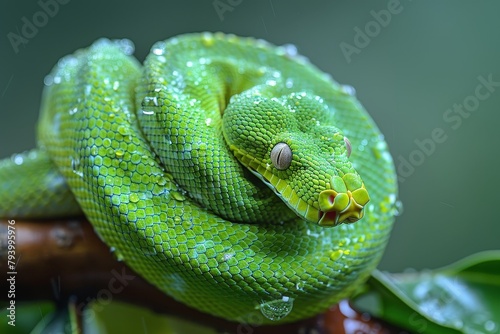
26, 314
117, 317
461, 298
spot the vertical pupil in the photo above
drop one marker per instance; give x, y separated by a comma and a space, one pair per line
280, 163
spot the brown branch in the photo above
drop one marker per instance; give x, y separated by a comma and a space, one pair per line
59, 259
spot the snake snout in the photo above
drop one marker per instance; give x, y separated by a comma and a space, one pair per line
344, 202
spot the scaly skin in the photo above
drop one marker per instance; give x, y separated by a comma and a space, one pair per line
214, 171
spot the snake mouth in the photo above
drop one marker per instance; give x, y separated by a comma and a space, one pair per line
329, 218
336, 212
344, 203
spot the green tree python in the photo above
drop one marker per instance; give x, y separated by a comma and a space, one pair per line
230, 173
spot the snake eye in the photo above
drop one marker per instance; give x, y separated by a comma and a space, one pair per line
348, 146
281, 156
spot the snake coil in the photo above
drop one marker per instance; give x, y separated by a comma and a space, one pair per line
215, 171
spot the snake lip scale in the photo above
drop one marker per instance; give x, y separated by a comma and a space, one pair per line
212, 170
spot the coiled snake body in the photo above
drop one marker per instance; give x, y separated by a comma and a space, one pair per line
216, 171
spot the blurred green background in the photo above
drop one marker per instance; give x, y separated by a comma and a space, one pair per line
408, 67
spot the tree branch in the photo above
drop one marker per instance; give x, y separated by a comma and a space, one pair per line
59, 259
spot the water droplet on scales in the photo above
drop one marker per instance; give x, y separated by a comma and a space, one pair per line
398, 208
149, 104
126, 46
350, 90
18, 159
277, 309
76, 166
290, 50
207, 39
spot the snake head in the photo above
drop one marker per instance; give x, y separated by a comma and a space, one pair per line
291, 144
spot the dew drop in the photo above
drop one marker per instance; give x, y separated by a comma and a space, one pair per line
380, 149
398, 208
126, 46
381, 145
207, 39
261, 43
148, 112
69, 60
277, 309
345, 242
116, 84
227, 256
158, 51
350, 90
18, 159
48, 80
362, 145
290, 50
150, 101
189, 64
312, 234
271, 83
490, 326
76, 167
73, 111
208, 121
289, 83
